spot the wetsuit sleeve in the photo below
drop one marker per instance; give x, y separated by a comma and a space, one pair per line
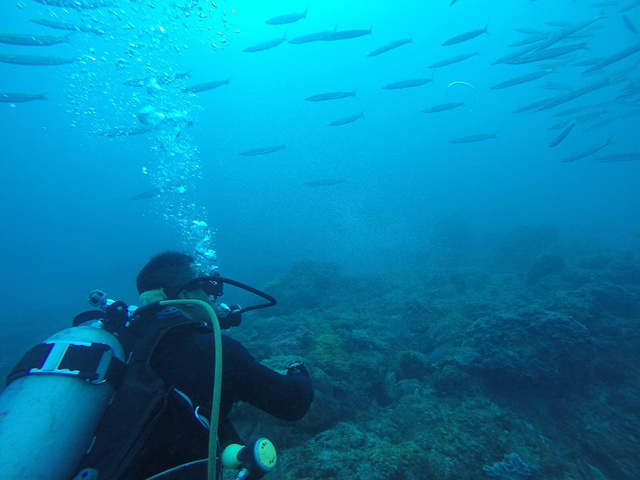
287, 397
187, 362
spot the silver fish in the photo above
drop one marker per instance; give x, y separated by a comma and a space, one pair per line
203, 87
614, 58
287, 18
262, 150
474, 138
580, 119
563, 134
67, 26
618, 157
535, 105
346, 34
566, 97
36, 60
588, 62
312, 37
20, 97
603, 123
322, 97
516, 54
265, 45
390, 46
466, 36
347, 120
629, 6
79, 4
548, 53
414, 82
522, 79
443, 107
158, 192
32, 40
587, 151
565, 32
452, 60
628, 21
529, 40
529, 31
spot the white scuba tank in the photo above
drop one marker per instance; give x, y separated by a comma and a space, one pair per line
48, 417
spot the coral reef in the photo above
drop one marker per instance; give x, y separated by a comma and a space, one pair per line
437, 376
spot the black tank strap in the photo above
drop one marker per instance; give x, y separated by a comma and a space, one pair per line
92, 362
141, 399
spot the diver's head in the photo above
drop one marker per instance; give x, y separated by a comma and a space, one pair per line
175, 275
167, 271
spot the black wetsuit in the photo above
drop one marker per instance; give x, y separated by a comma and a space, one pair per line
185, 360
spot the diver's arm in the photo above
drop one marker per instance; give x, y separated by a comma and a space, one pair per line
287, 397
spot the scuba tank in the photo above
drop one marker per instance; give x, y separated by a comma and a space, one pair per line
58, 393
54, 399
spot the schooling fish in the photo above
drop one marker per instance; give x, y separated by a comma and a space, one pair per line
628, 21
312, 37
346, 34
287, 18
390, 46
614, 58
20, 97
548, 53
566, 97
466, 36
414, 82
443, 107
618, 157
474, 138
265, 45
262, 150
587, 151
35, 60
452, 60
535, 105
346, 120
80, 4
322, 97
203, 87
32, 40
522, 79
563, 134
67, 26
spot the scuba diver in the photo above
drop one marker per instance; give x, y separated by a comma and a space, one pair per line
162, 385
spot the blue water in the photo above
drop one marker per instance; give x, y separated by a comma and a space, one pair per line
69, 224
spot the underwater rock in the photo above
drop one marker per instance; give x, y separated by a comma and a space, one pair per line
413, 364
545, 264
451, 380
510, 468
306, 285
613, 299
520, 247
530, 344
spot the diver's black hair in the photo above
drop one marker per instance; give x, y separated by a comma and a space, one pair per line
167, 270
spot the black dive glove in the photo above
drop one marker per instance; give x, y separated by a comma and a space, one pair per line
228, 315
